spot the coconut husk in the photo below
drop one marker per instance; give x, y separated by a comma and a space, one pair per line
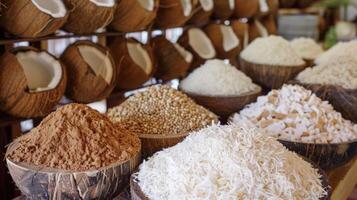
84, 85
130, 16
86, 17
242, 31
200, 16
170, 63
22, 18
170, 14
15, 98
246, 9
287, 3
130, 75
222, 10
214, 32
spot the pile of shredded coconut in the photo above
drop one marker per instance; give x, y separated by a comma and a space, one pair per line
340, 53
216, 78
296, 114
340, 74
272, 50
306, 48
228, 163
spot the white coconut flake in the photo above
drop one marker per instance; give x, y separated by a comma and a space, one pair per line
216, 78
263, 5
231, 4
296, 114
230, 39
104, 3
306, 48
341, 52
147, 4
54, 8
187, 7
207, 5
228, 163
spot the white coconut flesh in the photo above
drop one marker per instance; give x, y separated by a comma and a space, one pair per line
99, 62
246, 38
140, 57
261, 29
207, 5
147, 4
230, 39
231, 4
104, 3
54, 8
43, 72
184, 53
200, 43
186, 7
264, 7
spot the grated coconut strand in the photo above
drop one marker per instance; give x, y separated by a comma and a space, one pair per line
306, 48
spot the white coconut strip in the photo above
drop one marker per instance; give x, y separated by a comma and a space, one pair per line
231, 4
200, 43
262, 30
54, 8
103, 3
263, 6
147, 4
246, 38
187, 7
140, 56
184, 53
42, 71
207, 5
230, 39
97, 61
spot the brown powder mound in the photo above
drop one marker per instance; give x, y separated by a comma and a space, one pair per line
75, 137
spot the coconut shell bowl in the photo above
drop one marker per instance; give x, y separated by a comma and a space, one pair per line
44, 183
270, 76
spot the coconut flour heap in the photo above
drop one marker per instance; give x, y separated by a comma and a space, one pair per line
272, 50
306, 48
340, 53
77, 138
228, 162
161, 110
216, 78
296, 114
341, 74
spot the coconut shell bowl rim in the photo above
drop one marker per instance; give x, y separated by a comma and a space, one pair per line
272, 65
258, 90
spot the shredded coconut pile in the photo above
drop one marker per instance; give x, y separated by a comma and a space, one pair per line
216, 78
272, 50
228, 163
296, 114
342, 74
161, 110
340, 53
306, 48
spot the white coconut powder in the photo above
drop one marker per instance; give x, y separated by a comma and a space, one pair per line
306, 48
216, 78
341, 52
228, 163
296, 114
272, 50
343, 74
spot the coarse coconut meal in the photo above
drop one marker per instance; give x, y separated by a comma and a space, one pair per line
339, 74
340, 53
272, 50
216, 78
228, 163
296, 114
161, 110
306, 48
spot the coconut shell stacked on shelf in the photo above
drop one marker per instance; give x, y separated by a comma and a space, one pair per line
246, 9
241, 29
267, 7
173, 13
223, 9
202, 12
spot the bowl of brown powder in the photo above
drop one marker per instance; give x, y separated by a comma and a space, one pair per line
75, 153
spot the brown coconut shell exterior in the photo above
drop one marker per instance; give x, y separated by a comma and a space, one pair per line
222, 10
246, 9
86, 17
15, 98
22, 18
240, 29
273, 8
129, 75
200, 16
270, 76
130, 16
170, 14
214, 33
170, 63
84, 85
270, 24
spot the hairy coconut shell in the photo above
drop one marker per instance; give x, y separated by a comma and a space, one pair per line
222, 10
130, 16
22, 18
130, 76
84, 85
246, 9
15, 98
86, 17
170, 63
200, 16
214, 33
170, 14
242, 31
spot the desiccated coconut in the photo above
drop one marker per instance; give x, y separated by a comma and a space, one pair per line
306, 48
340, 53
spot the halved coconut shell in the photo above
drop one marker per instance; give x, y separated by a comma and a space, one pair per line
269, 22
134, 15
246, 9
242, 31
267, 7
173, 13
91, 72
32, 82
202, 12
30, 18
173, 61
88, 16
198, 43
224, 39
223, 9
135, 61
257, 29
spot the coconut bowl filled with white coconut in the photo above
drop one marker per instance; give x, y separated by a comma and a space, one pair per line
307, 49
